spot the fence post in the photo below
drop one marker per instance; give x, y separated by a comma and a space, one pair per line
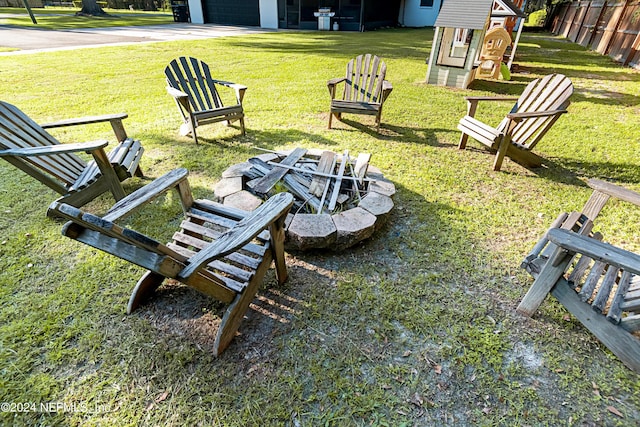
615, 28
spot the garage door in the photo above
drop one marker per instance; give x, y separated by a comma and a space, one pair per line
232, 12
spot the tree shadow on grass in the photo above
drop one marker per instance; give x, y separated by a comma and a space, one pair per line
573, 172
581, 94
308, 304
389, 132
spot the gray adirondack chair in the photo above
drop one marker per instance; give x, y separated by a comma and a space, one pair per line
596, 282
365, 89
30, 148
543, 101
190, 83
220, 251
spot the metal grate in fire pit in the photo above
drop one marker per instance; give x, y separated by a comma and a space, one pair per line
339, 200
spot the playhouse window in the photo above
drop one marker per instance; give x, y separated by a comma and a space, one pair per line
426, 3
454, 47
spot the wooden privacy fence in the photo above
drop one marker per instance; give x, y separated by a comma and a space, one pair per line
610, 27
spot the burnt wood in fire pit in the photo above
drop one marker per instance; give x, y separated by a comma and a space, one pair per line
339, 200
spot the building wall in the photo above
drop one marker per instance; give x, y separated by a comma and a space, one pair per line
19, 3
413, 15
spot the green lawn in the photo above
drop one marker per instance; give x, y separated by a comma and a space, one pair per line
415, 326
63, 18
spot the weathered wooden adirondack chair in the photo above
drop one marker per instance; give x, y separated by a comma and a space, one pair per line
27, 146
220, 251
543, 101
365, 89
597, 282
190, 83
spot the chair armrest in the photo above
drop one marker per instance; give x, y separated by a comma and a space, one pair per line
335, 81
85, 120
331, 85
534, 114
615, 191
240, 89
490, 98
595, 249
146, 194
176, 93
47, 150
387, 87
235, 86
472, 102
114, 119
242, 233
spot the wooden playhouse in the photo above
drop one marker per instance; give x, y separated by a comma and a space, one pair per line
458, 39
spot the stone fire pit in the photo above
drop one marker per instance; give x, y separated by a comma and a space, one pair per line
339, 200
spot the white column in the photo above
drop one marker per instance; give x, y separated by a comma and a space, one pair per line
268, 14
195, 12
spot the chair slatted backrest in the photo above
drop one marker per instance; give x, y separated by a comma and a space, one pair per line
17, 130
551, 92
364, 78
193, 77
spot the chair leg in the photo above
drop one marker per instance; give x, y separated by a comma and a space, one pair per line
147, 285
276, 232
330, 117
463, 141
244, 132
235, 312
502, 150
194, 135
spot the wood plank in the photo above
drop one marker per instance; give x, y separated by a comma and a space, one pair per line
592, 280
602, 296
615, 312
338, 182
325, 190
319, 174
621, 343
615, 191
596, 250
326, 165
267, 182
243, 232
362, 164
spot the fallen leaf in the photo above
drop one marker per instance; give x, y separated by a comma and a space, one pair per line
406, 353
417, 400
149, 407
615, 411
437, 369
162, 397
386, 387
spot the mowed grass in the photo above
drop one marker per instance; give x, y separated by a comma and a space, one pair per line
64, 18
415, 326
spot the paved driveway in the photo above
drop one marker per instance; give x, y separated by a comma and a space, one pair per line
30, 40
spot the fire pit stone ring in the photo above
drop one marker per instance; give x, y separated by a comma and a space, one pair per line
336, 230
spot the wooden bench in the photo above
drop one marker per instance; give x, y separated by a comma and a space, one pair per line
597, 282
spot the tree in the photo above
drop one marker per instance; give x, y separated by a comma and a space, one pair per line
91, 8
